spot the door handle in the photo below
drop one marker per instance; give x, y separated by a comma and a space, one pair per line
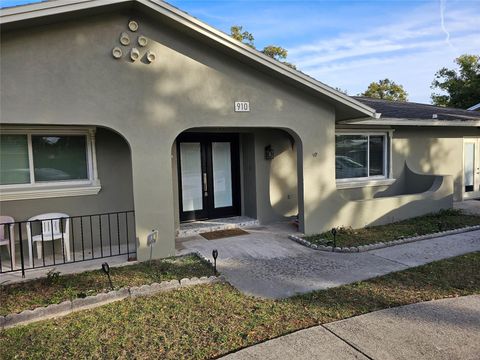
205, 186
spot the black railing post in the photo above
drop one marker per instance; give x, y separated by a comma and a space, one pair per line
110, 234
91, 237
53, 242
118, 235
21, 249
12, 253
101, 237
63, 239
81, 234
134, 234
73, 237
126, 228
43, 243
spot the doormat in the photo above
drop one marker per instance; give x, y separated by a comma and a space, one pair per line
219, 234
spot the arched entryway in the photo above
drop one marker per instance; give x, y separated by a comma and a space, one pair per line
251, 173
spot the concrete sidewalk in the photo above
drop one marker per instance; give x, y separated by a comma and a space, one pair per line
440, 329
266, 263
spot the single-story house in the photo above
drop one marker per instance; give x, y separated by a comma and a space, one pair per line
112, 106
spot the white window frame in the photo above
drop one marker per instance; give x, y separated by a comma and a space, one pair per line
379, 180
49, 189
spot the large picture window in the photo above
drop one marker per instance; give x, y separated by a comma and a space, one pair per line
38, 159
360, 156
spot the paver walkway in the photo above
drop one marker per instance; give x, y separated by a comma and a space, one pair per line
440, 329
266, 263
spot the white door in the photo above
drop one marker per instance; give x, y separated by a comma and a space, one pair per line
471, 168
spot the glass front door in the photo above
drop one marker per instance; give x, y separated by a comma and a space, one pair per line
208, 175
471, 168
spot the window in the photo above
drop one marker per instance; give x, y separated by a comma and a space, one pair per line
360, 156
59, 158
40, 159
14, 160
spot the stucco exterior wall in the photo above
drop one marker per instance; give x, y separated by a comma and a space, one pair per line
65, 74
277, 191
436, 151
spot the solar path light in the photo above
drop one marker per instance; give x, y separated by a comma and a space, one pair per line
334, 233
106, 270
215, 255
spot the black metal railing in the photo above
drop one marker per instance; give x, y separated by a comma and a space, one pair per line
62, 240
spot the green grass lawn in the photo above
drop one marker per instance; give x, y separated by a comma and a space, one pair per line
57, 288
211, 320
428, 224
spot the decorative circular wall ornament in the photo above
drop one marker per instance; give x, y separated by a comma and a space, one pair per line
124, 39
151, 56
142, 40
133, 25
117, 52
134, 54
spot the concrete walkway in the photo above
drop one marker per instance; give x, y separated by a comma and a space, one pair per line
266, 263
440, 329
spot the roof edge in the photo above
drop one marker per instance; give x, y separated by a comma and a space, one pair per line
412, 122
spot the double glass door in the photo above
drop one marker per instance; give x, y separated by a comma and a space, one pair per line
208, 175
471, 168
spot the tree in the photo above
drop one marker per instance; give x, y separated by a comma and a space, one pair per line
462, 86
275, 52
386, 89
244, 37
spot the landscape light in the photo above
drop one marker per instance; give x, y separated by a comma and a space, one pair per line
215, 255
106, 270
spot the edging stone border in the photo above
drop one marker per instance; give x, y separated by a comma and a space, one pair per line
89, 302
380, 245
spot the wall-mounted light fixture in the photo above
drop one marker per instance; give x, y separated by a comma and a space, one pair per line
269, 153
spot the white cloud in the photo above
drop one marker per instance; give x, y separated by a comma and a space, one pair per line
408, 49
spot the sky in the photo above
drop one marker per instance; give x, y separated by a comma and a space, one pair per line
347, 44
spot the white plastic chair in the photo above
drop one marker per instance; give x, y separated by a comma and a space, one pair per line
5, 236
51, 230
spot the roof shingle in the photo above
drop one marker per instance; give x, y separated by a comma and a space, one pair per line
411, 111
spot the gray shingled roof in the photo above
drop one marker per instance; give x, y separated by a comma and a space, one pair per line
412, 111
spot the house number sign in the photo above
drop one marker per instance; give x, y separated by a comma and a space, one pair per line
242, 106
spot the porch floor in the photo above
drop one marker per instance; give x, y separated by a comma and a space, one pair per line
197, 227
84, 260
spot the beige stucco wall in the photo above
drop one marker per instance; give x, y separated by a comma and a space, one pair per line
277, 197
65, 74
432, 151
